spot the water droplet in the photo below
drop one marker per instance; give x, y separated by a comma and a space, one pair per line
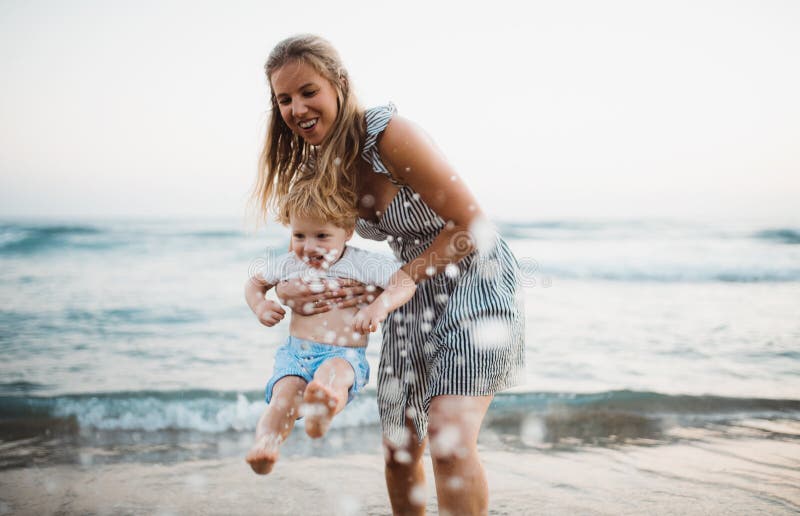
349, 505
484, 234
491, 333
402, 456
417, 496
455, 483
532, 431
446, 441
196, 482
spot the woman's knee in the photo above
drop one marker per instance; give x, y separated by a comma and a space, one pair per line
405, 454
454, 425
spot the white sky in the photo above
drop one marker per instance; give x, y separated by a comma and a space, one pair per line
547, 109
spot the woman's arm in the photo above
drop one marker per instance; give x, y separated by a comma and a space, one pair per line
412, 158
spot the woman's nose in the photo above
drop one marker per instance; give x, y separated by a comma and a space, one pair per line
298, 108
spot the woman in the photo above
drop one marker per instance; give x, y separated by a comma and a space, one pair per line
460, 339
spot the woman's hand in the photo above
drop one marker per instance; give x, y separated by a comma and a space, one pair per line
341, 293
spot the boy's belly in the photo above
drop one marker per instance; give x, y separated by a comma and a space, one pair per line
334, 327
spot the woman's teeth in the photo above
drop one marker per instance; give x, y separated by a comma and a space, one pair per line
308, 124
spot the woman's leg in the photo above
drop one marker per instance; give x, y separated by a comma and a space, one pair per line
276, 423
454, 424
326, 395
405, 477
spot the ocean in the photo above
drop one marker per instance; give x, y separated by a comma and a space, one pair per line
130, 341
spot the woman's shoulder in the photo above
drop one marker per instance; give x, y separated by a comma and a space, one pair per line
377, 117
376, 120
391, 140
404, 146
382, 120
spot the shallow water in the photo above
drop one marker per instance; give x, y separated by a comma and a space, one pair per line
110, 329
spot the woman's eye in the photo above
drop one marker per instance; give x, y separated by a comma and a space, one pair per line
309, 93
284, 101
322, 235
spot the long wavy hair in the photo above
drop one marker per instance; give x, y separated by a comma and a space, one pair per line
330, 167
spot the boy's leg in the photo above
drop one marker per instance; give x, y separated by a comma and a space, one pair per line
276, 423
326, 395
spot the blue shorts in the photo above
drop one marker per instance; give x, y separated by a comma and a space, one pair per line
300, 357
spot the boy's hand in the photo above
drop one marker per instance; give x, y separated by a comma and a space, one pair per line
268, 312
369, 318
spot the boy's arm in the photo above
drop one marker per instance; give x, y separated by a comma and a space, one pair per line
268, 312
400, 289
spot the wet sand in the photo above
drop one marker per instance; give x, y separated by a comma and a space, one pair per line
699, 474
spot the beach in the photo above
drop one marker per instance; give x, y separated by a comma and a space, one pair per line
757, 472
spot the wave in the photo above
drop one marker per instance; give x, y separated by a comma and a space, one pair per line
27, 239
780, 235
642, 229
135, 315
675, 274
626, 251
218, 412
21, 387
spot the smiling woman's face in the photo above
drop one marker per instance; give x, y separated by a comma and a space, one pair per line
307, 100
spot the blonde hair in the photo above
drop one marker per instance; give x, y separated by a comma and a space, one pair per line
305, 200
330, 168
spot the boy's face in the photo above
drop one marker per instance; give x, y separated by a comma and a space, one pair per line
319, 245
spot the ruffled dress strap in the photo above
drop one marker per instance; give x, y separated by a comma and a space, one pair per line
377, 118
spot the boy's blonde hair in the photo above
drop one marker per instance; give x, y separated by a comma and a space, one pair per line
286, 158
305, 200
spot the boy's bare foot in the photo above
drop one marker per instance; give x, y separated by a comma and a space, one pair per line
319, 407
264, 453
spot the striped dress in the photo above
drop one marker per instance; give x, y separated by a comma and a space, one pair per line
463, 331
